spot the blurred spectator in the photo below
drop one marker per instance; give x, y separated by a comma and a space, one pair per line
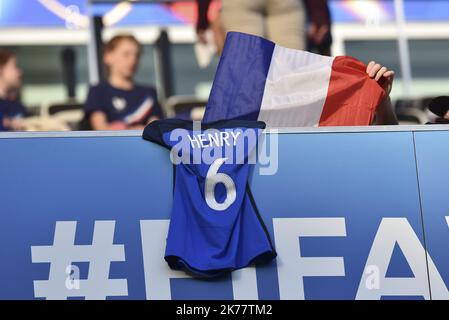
12, 112
440, 107
119, 103
319, 37
281, 21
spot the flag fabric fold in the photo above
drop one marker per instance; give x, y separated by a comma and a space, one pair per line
259, 80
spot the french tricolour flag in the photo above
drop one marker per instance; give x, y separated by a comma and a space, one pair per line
259, 80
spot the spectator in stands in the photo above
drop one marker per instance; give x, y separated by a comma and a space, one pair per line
281, 21
119, 103
319, 37
12, 112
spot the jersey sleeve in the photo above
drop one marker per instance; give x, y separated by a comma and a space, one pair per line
153, 133
156, 130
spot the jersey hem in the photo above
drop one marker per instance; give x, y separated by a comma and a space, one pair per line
178, 263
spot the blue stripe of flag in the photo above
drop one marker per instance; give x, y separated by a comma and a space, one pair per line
239, 82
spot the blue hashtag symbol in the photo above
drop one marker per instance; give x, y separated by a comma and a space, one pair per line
64, 252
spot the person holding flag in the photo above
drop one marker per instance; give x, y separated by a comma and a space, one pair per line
257, 79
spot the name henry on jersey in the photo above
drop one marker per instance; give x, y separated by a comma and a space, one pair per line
214, 139
195, 146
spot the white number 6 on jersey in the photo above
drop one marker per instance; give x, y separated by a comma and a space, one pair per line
212, 178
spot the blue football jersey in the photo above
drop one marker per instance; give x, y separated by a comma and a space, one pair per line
215, 226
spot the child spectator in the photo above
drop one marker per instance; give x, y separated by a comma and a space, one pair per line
119, 103
11, 111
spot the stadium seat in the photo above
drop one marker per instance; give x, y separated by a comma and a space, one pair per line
185, 107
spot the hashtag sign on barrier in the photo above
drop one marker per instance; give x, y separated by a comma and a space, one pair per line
64, 252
